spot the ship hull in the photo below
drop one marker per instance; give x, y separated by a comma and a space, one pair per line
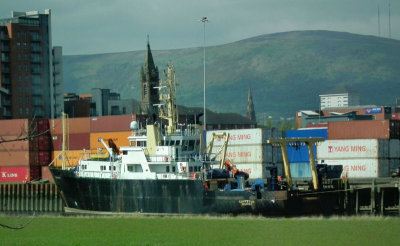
162, 196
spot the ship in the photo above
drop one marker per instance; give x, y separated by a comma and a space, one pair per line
164, 170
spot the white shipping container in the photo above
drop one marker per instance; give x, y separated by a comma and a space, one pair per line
394, 148
254, 136
246, 153
353, 148
362, 168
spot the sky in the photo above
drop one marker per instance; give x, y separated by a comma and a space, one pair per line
105, 26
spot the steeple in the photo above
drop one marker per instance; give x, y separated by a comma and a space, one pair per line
149, 79
250, 114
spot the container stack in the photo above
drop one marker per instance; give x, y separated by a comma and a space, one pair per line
77, 140
298, 153
19, 159
365, 149
247, 149
116, 128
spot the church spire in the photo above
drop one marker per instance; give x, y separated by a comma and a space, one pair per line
250, 114
149, 79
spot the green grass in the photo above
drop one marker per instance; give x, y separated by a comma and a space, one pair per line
201, 231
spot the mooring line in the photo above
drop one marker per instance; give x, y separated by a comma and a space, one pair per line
19, 227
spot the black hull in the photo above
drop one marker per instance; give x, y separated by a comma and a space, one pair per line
162, 196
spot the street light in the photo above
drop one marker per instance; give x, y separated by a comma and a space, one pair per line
204, 20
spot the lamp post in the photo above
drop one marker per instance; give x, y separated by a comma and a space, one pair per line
204, 20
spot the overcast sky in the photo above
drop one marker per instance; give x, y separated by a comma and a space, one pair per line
103, 26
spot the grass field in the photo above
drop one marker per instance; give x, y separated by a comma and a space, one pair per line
201, 231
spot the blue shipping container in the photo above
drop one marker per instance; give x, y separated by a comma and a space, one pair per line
299, 153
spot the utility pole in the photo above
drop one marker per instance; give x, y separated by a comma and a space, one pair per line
204, 20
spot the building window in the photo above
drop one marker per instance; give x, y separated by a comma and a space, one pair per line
26, 110
20, 111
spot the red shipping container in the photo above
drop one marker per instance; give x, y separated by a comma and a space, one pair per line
44, 158
114, 123
74, 126
364, 129
19, 174
74, 141
42, 125
396, 116
18, 158
44, 143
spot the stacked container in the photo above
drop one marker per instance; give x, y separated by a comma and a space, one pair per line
77, 140
19, 159
361, 158
248, 150
116, 128
298, 153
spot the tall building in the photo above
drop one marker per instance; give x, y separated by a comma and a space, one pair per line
149, 79
31, 70
250, 113
339, 99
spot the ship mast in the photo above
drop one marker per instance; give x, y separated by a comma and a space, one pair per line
169, 110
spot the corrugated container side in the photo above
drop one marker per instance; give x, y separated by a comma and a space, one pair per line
246, 153
44, 158
44, 143
306, 133
299, 153
277, 154
14, 145
14, 174
16, 158
364, 129
119, 138
14, 127
394, 148
73, 157
46, 174
112, 123
42, 125
78, 141
75, 126
254, 136
353, 148
362, 168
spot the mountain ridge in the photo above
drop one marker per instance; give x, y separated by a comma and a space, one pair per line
286, 71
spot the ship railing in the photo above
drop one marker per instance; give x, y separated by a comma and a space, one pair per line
97, 174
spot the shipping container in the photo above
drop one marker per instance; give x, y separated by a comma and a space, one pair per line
74, 126
44, 143
362, 168
307, 133
18, 158
246, 153
255, 136
299, 152
73, 157
364, 129
394, 148
18, 127
73, 142
353, 148
46, 174
14, 145
44, 158
395, 116
114, 123
42, 125
19, 174
119, 138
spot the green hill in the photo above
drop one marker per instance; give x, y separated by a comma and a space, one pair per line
286, 71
